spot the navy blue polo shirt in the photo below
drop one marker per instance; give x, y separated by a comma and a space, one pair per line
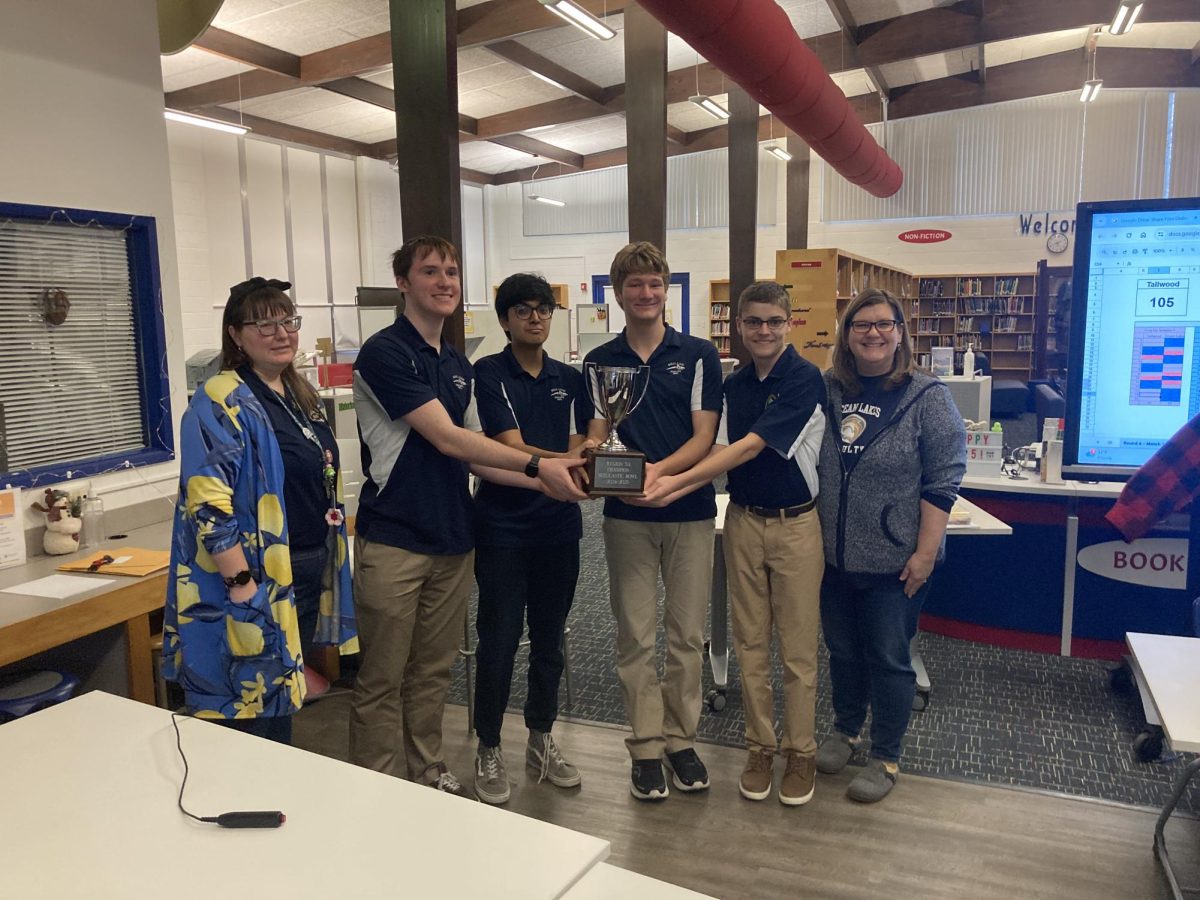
413, 496
547, 410
304, 499
685, 377
787, 410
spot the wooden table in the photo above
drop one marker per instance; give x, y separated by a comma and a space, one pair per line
90, 787
1169, 668
31, 625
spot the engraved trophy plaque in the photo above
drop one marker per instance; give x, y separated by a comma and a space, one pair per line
613, 470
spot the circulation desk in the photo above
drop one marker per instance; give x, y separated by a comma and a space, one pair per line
1062, 583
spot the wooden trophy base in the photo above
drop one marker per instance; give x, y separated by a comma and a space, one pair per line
615, 473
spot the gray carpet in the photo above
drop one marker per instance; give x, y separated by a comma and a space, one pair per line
996, 715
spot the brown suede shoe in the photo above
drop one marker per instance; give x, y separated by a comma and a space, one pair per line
799, 780
755, 783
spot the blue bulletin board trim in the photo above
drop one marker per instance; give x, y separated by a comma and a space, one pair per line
683, 279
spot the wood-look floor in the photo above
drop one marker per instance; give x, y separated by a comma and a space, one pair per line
931, 838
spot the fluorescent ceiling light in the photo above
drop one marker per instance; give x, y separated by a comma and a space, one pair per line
550, 81
204, 122
1091, 89
710, 106
549, 201
1125, 16
778, 152
580, 18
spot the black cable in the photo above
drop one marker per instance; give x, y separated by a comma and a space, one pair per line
242, 819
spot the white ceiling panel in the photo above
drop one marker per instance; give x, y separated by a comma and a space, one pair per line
304, 26
865, 11
286, 106
854, 82
600, 62
591, 136
354, 120
506, 96
1001, 53
492, 158
929, 68
193, 66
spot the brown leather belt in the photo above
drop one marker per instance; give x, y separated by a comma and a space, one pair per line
787, 512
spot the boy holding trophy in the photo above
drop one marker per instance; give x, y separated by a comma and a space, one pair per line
769, 443
673, 426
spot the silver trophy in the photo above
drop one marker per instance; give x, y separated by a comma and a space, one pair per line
616, 391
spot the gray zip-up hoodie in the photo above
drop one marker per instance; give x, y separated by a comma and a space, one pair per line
870, 516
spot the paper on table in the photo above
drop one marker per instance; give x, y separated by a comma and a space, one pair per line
58, 587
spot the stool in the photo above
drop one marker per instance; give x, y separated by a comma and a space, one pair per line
29, 692
467, 652
160, 683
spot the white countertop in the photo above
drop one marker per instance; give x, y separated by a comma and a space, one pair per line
1032, 485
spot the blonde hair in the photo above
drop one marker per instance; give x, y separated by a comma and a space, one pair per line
845, 370
640, 258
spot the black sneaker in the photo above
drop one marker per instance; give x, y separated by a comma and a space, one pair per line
689, 772
648, 781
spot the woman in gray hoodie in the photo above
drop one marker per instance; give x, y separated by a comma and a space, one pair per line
891, 461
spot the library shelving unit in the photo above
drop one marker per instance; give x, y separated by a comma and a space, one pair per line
1053, 287
719, 317
995, 313
820, 282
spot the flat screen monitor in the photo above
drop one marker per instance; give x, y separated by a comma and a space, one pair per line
1134, 358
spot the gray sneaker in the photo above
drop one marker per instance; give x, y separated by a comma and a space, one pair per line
873, 783
834, 753
447, 783
543, 756
491, 778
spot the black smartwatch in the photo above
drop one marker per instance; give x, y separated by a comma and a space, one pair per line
238, 580
531, 467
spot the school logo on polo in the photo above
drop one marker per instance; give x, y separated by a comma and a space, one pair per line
459, 382
559, 394
676, 368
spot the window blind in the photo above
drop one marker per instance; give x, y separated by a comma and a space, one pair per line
70, 392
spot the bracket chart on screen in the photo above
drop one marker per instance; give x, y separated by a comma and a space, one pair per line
1140, 378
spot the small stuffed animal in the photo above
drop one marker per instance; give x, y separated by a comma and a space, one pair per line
62, 528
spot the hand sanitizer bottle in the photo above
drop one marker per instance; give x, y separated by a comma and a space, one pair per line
969, 362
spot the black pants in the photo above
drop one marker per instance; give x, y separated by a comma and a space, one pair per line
308, 567
273, 728
515, 582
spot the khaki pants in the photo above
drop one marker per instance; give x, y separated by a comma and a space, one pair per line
663, 715
411, 608
775, 568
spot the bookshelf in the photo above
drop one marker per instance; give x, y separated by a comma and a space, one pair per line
720, 321
995, 313
820, 283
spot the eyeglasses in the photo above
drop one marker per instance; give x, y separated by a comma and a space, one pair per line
268, 327
883, 326
524, 310
753, 323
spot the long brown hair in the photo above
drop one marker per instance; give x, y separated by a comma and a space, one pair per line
261, 299
845, 370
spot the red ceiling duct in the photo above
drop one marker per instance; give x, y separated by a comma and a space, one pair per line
754, 43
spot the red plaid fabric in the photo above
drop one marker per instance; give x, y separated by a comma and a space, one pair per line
1165, 484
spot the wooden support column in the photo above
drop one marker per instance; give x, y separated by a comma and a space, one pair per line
646, 125
425, 61
743, 202
797, 193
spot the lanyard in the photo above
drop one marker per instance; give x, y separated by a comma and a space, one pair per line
328, 471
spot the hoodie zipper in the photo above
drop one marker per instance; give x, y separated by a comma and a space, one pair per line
844, 494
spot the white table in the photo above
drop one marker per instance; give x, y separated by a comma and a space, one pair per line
1169, 668
89, 789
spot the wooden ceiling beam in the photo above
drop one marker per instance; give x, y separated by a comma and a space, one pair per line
243, 50
501, 20
536, 64
292, 134
845, 19
366, 91
526, 144
971, 22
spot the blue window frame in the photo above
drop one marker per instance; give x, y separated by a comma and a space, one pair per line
76, 384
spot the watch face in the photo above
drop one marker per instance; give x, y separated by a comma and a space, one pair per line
1056, 243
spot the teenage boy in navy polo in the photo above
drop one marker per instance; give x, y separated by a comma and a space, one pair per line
414, 542
674, 426
526, 544
769, 442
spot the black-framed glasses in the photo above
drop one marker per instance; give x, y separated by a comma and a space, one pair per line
775, 323
268, 327
883, 326
524, 310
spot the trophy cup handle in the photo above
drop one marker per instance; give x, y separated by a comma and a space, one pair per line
644, 373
